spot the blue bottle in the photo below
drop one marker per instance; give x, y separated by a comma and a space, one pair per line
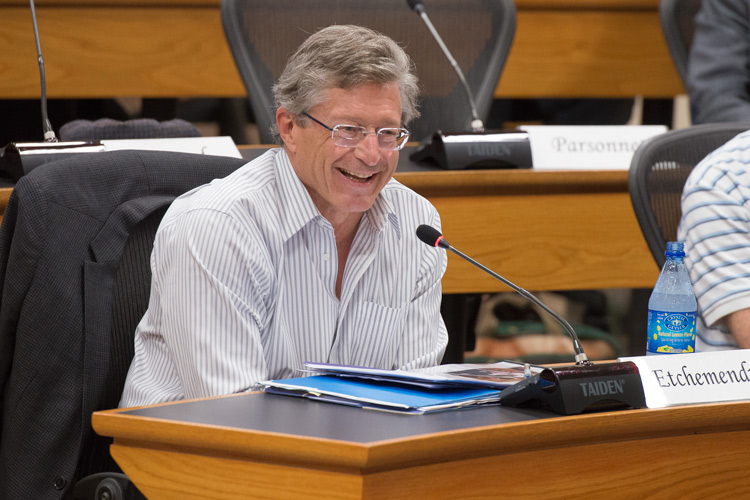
672, 307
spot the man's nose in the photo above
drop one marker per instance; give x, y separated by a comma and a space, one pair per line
369, 150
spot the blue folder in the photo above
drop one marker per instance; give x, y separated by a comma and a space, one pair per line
382, 395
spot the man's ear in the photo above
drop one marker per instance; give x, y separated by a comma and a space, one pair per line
286, 124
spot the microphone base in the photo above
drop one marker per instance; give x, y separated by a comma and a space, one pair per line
488, 149
569, 390
18, 159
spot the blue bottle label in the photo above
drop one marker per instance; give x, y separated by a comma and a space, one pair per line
670, 332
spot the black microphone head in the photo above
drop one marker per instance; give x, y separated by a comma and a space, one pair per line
431, 236
415, 5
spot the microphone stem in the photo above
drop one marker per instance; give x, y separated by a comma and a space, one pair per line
477, 124
49, 133
580, 356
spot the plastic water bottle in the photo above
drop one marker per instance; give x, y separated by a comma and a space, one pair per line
672, 307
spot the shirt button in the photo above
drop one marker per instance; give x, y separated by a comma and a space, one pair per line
325, 257
59, 483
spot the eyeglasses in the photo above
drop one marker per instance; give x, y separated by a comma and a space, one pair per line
349, 136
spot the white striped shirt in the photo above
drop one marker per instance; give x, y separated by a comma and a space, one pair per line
716, 228
243, 288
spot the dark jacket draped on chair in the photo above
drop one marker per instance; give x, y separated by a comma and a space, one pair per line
74, 285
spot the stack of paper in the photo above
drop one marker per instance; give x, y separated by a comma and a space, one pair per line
435, 389
495, 375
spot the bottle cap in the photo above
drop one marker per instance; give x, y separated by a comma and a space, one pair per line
675, 249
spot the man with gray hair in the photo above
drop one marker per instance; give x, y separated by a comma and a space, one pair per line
307, 253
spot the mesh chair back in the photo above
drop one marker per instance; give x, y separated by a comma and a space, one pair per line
130, 301
658, 171
678, 26
263, 34
139, 128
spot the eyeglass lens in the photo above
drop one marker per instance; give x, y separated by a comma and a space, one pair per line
350, 136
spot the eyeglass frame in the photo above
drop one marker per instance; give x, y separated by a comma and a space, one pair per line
364, 133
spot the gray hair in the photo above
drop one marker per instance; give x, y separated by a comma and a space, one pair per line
344, 56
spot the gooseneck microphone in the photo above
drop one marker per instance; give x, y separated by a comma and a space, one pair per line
477, 148
432, 237
564, 389
18, 159
49, 133
418, 7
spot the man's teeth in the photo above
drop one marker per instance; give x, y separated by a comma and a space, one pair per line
354, 176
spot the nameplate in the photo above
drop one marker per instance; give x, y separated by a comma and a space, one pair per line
703, 377
575, 147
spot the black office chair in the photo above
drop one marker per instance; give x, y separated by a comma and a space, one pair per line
678, 26
262, 34
657, 175
74, 276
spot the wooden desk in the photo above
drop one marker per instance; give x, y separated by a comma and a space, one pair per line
542, 230
176, 48
264, 446
4, 197
589, 48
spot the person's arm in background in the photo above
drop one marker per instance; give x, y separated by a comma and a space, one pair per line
739, 324
719, 62
715, 226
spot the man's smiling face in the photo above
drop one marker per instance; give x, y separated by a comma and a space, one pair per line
344, 181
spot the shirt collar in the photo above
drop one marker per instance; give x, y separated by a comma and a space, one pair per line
299, 209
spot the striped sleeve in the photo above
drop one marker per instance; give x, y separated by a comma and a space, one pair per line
716, 229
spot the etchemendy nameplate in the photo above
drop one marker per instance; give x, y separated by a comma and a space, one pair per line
586, 147
702, 377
